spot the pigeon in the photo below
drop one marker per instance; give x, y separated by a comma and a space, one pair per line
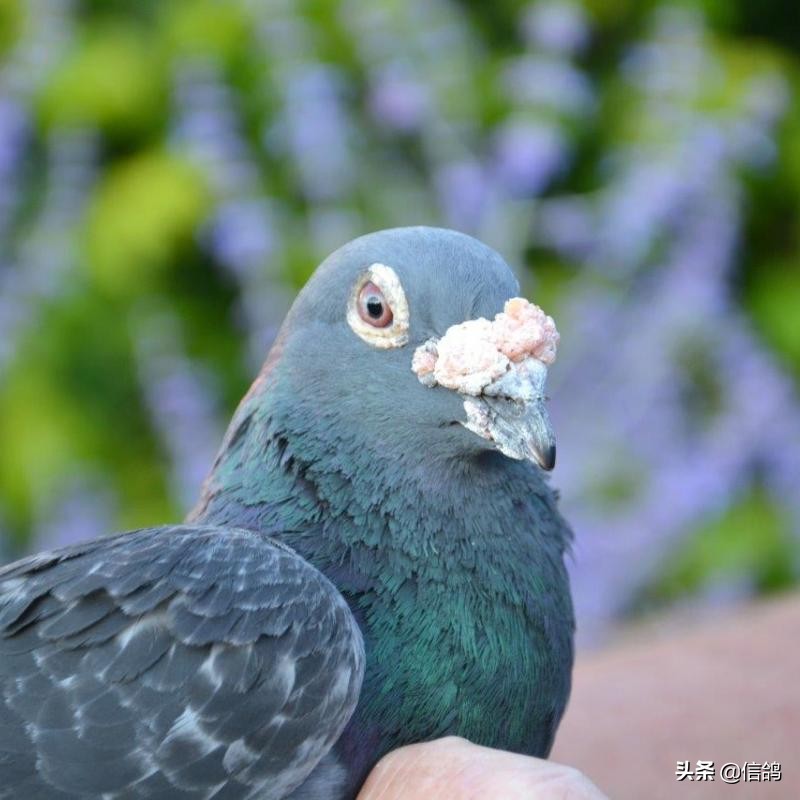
376, 559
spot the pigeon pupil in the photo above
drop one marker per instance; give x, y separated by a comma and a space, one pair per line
373, 308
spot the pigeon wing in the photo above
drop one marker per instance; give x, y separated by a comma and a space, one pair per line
175, 662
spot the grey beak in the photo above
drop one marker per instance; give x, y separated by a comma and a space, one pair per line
511, 412
522, 430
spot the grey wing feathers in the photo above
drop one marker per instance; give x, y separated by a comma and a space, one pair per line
181, 662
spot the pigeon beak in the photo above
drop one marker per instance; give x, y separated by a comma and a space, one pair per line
499, 369
511, 413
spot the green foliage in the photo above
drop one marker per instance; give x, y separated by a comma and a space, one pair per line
750, 541
774, 300
771, 259
205, 28
110, 80
65, 408
43, 434
10, 21
143, 217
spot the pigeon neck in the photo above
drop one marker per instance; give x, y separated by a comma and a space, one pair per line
367, 515
460, 558
281, 472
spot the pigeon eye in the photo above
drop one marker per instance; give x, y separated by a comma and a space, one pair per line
378, 311
372, 306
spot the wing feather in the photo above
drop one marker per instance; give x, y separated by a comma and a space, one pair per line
179, 662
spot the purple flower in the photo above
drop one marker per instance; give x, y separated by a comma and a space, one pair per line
207, 128
557, 27
669, 63
463, 191
84, 508
317, 131
13, 132
548, 83
398, 101
567, 225
528, 155
242, 235
182, 401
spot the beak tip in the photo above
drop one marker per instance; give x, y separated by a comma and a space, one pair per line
547, 458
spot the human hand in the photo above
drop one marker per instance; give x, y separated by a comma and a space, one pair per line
455, 769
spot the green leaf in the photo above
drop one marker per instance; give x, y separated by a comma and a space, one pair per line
774, 298
201, 27
10, 23
144, 213
111, 80
752, 538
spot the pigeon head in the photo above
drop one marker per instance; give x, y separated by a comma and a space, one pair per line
414, 340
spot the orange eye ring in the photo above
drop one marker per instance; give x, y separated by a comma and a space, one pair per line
373, 307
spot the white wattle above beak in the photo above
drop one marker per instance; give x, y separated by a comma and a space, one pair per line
500, 368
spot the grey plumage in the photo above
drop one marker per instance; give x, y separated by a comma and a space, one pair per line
174, 662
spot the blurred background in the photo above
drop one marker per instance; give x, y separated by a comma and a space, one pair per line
172, 172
